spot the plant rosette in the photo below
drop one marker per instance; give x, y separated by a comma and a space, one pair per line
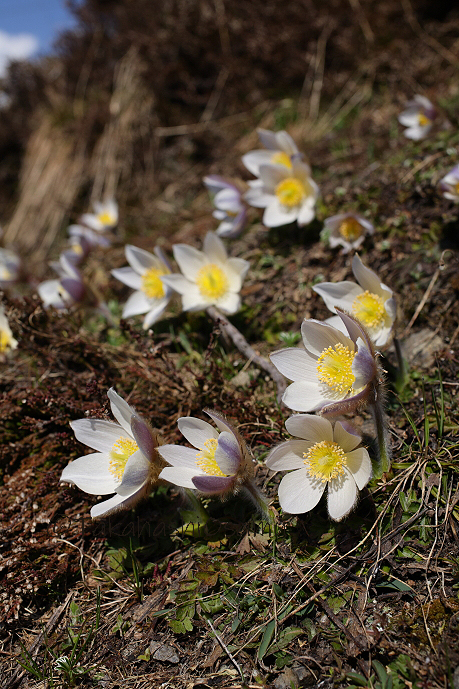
126, 461
322, 456
370, 301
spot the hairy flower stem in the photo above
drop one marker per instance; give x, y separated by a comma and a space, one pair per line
243, 346
259, 500
196, 506
402, 369
382, 437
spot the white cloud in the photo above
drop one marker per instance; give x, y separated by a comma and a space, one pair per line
15, 47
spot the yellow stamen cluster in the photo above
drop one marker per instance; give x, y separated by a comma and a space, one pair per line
281, 158
369, 309
334, 367
423, 120
152, 284
350, 229
291, 192
5, 274
77, 249
119, 455
325, 461
205, 459
5, 341
456, 187
106, 219
212, 281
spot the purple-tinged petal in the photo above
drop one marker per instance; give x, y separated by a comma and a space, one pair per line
364, 365
143, 435
228, 453
212, 485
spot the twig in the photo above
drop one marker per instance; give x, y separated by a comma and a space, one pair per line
423, 301
243, 346
225, 648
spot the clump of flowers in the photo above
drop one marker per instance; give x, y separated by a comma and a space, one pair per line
229, 208
209, 277
7, 341
418, 117
286, 193
144, 274
347, 230
322, 456
281, 150
219, 462
449, 185
370, 301
62, 292
126, 461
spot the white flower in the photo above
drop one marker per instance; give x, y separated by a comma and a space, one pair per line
323, 456
125, 462
285, 194
10, 267
347, 230
333, 372
7, 341
450, 185
77, 250
105, 216
371, 302
419, 117
219, 463
65, 291
209, 276
229, 207
281, 150
92, 237
144, 274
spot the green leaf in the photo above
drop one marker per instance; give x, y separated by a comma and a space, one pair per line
266, 640
381, 672
358, 679
285, 637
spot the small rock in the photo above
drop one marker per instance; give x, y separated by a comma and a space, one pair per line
244, 378
163, 653
287, 680
419, 349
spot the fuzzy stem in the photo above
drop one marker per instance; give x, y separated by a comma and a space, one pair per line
196, 506
402, 370
259, 500
382, 438
243, 346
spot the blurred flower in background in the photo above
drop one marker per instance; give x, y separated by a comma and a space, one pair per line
230, 209
281, 150
7, 341
418, 117
347, 230
449, 184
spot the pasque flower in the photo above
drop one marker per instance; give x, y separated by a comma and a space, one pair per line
322, 456
126, 461
230, 209
208, 277
7, 341
281, 150
332, 372
286, 194
10, 267
347, 230
68, 289
371, 302
105, 216
218, 463
144, 274
418, 117
449, 184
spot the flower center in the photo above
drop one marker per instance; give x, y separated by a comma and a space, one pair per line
5, 274
423, 120
291, 192
350, 229
76, 249
334, 367
456, 187
5, 341
282, 158
119, 455
205, 459
325, 460
212, 281
152, 284
106, 218
369, 309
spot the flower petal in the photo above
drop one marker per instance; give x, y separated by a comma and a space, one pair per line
366, 277
298, 494
220, 421
144, 436
304, 396
342, 496
348, 441
180, 456
98, 434
140, 260
288, 455
213, 485
215, 249
229, 303
317, 336
295, 363
196, 431
189, 259
135, 474
136, 304
91, 473
118, 503
340, 294
228, 453
121, 410
359, 464
155, 313
276, 215
127, 276
309, 427
180, 475
254, 159
178, 282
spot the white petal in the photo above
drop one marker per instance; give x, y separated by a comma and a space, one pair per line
98, 434
180, 475
254, 159
304, 396
416, 133
337, 323
155, 313
258, 197
341, 294
91, 474
196, 431
189, 259
128, 276
239, 265
139, 259
194, 301
180, 456
342, 495
318, 336
366, 277
306, 214
121, 410
271, 175
348, 441
228, 199
214, 248
229, 303
276, 215
117, 503
295, 363
288, 455
178, 282
137, 303
313, 428
284, 141
228, 453
135, 474
298, 494
359, 464
409, 118
268, 139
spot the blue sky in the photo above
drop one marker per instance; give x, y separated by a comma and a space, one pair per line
29, 27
